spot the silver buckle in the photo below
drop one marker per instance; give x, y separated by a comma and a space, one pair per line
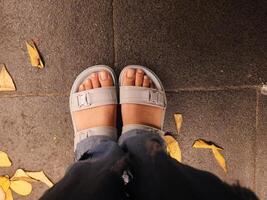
153, 96
156, 97
84, 100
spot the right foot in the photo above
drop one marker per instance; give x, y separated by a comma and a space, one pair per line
97, 116
135, 113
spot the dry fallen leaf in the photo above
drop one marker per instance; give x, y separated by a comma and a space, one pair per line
19, 182
40, 176
173, 147
202, 144
178, 121
2, 194
21, 187
215, 150
4, 183
220, 159
4, 160
6, 82
20, 174
35, 57
9, 195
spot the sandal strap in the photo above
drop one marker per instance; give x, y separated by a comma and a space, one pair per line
142, 95
93, 98
107, 131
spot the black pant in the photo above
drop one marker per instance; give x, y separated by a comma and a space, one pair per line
153, 174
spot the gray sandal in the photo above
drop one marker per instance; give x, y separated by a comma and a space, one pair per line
145, 96
90, 99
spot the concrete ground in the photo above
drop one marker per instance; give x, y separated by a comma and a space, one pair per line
211, 56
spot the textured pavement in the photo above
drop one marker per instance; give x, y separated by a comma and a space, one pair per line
211, 56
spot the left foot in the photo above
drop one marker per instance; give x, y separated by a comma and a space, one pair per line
135, 113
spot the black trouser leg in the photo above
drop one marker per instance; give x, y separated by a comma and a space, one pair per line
157, 176
96, 177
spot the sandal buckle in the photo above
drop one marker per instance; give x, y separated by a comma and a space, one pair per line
156, 97
153, 96
84, 100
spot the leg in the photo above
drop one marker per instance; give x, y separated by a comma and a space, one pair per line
155, 174
97, 175
158, 176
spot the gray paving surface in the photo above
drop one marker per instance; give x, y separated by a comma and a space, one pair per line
210, 55
224, 117
70, 34
196, 43
261, 144
37, 134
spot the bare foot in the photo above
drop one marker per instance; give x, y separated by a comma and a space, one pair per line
98, 116
140, 114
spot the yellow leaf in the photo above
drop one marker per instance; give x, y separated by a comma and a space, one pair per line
31, 177
4, 183
35, 57
215, 150
178, 121
201, 144
220, 159
21, 187
2, 194
40, 176
20, 174
173, 147
6, 82
9, 195
205, 145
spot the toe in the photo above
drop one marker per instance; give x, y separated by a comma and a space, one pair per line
146, 81
88, 84
95, 80
81, 87
139, 77
129, 77
105, 79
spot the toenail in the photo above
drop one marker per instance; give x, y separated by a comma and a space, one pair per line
139, 71
130, 73
103, 75
93, 75
81, 87
145, 77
